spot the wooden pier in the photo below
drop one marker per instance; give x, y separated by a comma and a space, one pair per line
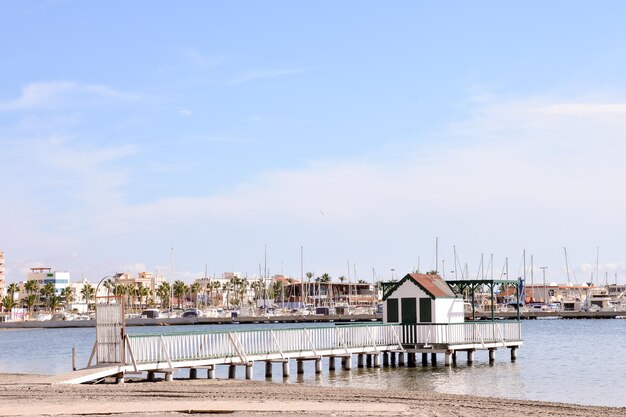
372, 344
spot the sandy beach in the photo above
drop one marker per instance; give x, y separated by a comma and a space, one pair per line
22, 395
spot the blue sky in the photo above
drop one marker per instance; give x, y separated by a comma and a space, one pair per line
359, 130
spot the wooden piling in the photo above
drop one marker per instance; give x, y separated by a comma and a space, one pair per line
193, 373
286, 369
400, 358
359, 360
513, 354
470, 356
424, 359
318, 365
211, 372
249, 369
492, 355
268, 369
232, 371
300, 366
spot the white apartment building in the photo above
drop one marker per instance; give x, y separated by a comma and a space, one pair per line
46, 275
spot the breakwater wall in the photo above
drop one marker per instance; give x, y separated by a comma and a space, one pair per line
312, 318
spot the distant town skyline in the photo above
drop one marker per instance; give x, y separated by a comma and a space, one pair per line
356, 130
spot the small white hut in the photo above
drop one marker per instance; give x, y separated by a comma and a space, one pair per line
422, 298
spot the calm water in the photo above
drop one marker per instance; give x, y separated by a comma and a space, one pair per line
576, 361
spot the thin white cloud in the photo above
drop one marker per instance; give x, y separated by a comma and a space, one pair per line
264, 74
58, 94
185, 112
221, 139
201, 60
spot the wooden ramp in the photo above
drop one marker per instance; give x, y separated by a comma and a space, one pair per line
82, 376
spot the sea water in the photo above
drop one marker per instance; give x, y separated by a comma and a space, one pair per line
573, 361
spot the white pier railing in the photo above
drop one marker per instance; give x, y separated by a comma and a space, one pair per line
462, 333
260, 344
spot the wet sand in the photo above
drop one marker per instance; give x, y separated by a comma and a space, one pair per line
22, 395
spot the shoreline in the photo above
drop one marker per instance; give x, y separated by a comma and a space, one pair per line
28, 394
312, 318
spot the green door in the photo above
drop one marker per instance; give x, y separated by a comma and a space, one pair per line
425, 310
392, 310
409, 310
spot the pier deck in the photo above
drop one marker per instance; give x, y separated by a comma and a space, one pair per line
164, 353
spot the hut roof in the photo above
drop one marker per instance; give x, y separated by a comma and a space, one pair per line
431, 284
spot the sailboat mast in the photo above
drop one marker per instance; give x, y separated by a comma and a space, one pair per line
566, 264
436, 254
302, 275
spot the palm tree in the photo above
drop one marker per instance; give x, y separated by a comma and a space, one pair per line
163, 292
67, 294
143, 293
54, 302
131, 293
243, 290
195, 289
88, 293
7, 302
30, 300
179, 288
31, 286
12, 289
110, 287
48, 291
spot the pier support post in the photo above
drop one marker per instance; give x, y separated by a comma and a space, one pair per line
331, 363
470, 356
400, 358
249, 368
193, 373
513, 354
286, 369
169, 377
447, 359
210, 374
119, 379
151, 376
318, 365
424, 359
232, 371
347, 362
410, 359
492, 355
359, 360
433, 359
300, 367
454, 357
268, 369
385, 358
392, 358
377, 360
368, 360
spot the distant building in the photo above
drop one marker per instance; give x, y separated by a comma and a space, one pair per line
43, 276
1, 273
143, 279
555, 293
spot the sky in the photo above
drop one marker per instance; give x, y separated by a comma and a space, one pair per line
179, 138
